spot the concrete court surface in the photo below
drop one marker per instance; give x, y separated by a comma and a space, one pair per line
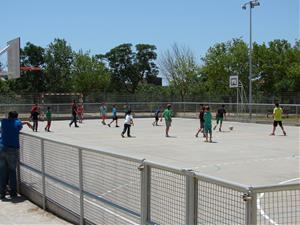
22, 211
246, 155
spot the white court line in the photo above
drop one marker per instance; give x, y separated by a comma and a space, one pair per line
105, 209
262, 212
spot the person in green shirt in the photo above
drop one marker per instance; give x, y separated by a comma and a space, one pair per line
167, 114
207, 124
277, 114
48, 115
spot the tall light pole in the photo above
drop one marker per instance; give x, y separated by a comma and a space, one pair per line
251, 5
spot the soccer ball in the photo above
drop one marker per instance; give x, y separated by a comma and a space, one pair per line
231, 128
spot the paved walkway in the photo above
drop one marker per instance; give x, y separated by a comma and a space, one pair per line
22, 211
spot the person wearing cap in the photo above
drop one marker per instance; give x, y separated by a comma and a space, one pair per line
167, 114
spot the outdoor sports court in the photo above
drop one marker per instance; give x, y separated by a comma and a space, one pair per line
246, 155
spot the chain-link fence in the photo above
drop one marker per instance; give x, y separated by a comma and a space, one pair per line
88, 186
237, 112
159, 95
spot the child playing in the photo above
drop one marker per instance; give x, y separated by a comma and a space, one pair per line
115, 117
277, 114
103, 111
221, 113
167, 114
35, 118
201, 117
207, 124
156, 115
127, 124
48, 118
80, 113
74, 114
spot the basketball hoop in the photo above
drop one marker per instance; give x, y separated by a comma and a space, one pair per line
30, 68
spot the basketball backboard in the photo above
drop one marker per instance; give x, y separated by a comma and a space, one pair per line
234, 81
10, 63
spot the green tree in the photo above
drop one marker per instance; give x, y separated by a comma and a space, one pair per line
128, 68
89, 74
4, 87
221, 61
145, 62
277, 66
59, 60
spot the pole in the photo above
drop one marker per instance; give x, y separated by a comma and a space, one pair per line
250, 65
81, 197
237, 101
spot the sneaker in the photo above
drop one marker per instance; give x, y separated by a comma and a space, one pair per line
196, 135
13, 195
129, 136
284, 133
76, 126
220, 130
272, 134
122, 135
117, 126
108, 125
45, 129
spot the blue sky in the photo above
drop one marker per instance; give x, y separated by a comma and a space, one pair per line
99, 25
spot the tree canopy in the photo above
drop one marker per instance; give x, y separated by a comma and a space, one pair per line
132, 69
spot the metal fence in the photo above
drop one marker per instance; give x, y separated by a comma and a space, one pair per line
236, 112
88, 186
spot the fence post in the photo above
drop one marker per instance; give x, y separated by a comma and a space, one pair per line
191, 198
43, 173
251, 207
81, 222
19, 168
145, 192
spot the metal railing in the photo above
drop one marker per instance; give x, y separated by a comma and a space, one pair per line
237, 112
89, 186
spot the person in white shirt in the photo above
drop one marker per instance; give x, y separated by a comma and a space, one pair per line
127, 124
